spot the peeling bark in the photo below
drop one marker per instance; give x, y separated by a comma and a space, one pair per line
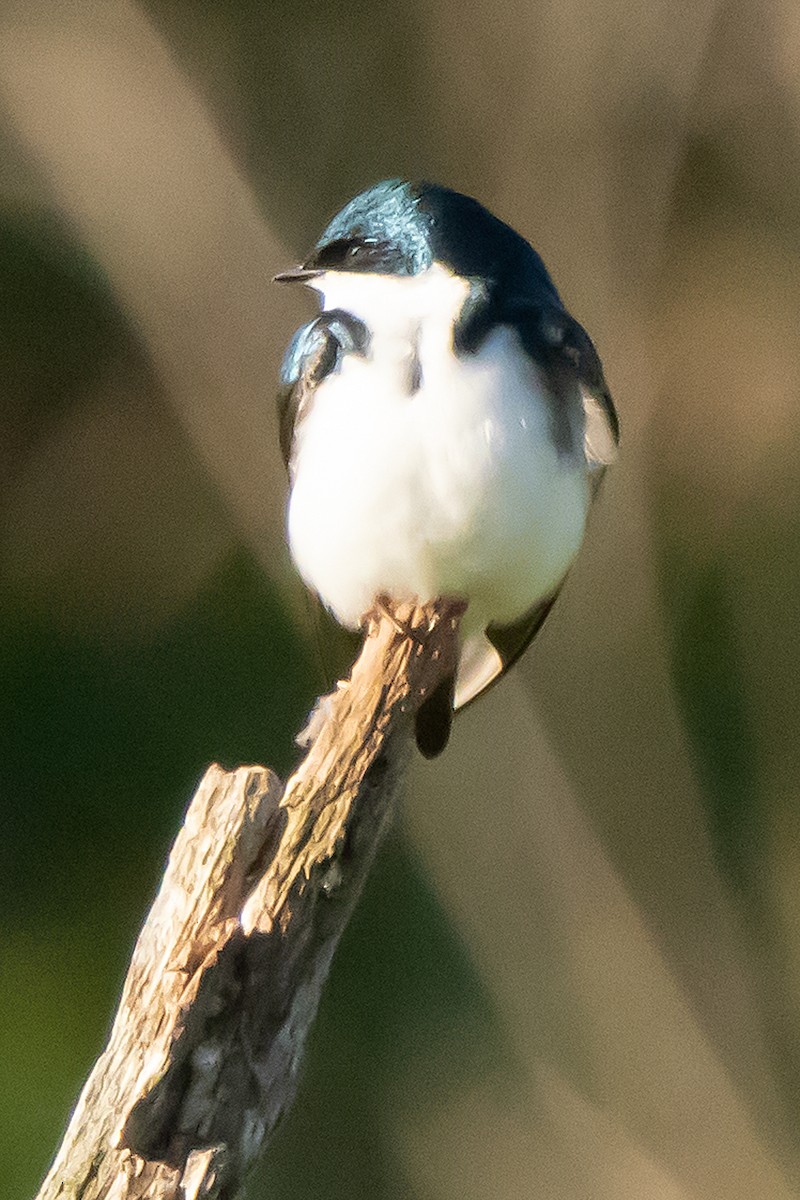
227, 974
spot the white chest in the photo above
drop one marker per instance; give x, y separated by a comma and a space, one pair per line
452, 487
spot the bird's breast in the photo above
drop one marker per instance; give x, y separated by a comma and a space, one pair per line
419, 473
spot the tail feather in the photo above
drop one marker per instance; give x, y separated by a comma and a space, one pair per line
434, 718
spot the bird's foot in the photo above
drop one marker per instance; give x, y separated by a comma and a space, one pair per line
412, 620
383, 609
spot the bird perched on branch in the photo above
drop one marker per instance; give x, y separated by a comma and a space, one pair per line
444, 421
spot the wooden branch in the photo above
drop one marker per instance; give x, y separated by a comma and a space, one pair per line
228, 970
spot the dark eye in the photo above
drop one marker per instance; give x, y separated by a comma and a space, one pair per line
341, 253
355, 254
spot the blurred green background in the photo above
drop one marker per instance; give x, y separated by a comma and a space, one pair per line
575, 973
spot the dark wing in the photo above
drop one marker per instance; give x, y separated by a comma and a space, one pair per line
601, 424
311, 356
565, 352
316, 351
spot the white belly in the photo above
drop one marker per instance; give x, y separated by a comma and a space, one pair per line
456, 489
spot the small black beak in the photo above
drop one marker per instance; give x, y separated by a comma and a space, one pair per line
296, 275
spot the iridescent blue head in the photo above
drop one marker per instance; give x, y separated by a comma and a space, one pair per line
402, 228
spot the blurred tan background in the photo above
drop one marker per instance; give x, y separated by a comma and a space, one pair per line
576, 972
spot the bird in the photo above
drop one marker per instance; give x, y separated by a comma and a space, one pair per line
445, 423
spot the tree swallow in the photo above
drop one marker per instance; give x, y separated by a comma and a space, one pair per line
445, 423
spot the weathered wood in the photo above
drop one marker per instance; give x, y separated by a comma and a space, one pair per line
227, 973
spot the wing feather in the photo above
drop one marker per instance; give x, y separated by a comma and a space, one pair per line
567, 354
315, 351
